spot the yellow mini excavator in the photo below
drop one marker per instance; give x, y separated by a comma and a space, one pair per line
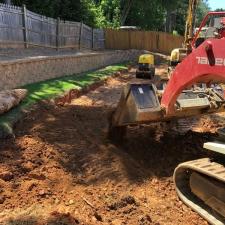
146, 67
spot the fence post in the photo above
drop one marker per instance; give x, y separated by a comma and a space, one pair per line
25, 34
80, 35
157, 42
57, 33
129, 33
93, 39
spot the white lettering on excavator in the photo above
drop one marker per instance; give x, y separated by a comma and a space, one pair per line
220, 62
141, 90
205, 61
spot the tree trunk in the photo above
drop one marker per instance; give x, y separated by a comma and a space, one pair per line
125, 12
168, 21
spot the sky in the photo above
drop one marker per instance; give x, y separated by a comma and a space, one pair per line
215, 4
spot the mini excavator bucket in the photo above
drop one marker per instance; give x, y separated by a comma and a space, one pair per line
138, 103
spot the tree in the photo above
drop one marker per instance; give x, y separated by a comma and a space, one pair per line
181, 14
170, 8
79, 10
220, 10
148, 15
160, 15
126, 7
202, 10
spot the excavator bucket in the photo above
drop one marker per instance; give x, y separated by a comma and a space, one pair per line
138, 103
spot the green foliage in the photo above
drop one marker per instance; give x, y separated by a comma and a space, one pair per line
108, 13
202, 10
103, 13
220, 10
181, 14
78, 10
147, 14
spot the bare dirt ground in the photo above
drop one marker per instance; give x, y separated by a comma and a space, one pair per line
62, 169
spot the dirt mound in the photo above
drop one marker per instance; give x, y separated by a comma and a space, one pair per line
62, 169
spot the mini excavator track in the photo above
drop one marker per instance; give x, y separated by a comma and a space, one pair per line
201, 185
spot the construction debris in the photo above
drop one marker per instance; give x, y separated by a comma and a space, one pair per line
11, 98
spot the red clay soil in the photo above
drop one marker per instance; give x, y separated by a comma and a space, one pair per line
62, 169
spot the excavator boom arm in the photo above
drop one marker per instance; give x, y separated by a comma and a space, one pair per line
206, 64
190, 21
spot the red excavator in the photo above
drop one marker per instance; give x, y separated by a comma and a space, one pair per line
205, 64
189, 92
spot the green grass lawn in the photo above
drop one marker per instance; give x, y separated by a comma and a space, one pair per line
50, 89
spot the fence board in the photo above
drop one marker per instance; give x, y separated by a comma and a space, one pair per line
69, 34
99, 39
86, 38
11, 28
146, 40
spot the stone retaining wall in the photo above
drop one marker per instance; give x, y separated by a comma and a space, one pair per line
16, 73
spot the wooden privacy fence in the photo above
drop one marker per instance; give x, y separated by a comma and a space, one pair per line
19, 25
147, 40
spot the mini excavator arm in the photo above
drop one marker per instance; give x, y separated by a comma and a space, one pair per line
206, 64
190, 21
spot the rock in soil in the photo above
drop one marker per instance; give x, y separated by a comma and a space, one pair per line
2, 199
128, 200
6, 176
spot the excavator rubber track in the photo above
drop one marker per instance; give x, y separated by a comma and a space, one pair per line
196, 175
